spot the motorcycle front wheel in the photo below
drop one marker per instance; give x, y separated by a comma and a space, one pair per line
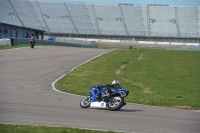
116, 103
85, 102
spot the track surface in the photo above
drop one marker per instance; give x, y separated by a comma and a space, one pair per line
26, 96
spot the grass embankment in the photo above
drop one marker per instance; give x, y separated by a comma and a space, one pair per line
42, 129
153, 77
4, 47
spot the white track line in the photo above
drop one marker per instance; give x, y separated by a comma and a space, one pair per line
53, 84
54, 88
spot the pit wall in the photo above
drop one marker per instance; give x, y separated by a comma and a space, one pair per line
80, 42
138, 42
5, 42
14, 41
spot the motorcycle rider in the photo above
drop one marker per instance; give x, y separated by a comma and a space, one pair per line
32, 40
114, 85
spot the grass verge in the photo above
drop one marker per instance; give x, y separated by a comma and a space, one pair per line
4, 47
5, 128
153, 77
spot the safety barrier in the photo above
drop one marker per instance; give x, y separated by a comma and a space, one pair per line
48, 42
138, 42
5, 42
63, 39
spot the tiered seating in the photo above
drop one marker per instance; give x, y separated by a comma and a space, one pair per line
26, 14
39, 15
81, 19
162, 21
144, 19
188, 21
57, 18
133, 18
7, 14
109, 20
92, 17
198, 21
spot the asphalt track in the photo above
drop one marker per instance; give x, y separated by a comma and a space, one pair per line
26, 96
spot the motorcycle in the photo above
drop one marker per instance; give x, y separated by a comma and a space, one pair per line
96, 100
32, 44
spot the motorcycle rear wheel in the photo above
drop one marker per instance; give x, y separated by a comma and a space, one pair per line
85, 102
116, 103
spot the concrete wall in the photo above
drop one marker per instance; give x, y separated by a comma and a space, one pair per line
185, 40
46, 42
65, 40
5, 42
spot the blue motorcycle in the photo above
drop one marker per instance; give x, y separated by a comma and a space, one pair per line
96, 100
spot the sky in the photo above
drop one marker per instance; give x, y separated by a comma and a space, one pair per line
138, 2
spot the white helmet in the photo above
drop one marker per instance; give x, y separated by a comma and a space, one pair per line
115, 82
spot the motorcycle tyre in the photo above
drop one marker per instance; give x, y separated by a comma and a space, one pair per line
115, 108
83, 100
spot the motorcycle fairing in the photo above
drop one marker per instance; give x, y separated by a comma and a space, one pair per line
98, 104
121, 91
94, 92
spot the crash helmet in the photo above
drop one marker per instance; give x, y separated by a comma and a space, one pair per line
115, 82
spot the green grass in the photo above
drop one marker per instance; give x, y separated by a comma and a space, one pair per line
15, 46
43, 129
160, 77
4, 47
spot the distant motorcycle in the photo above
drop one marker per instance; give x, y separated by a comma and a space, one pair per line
32, 44
113, 103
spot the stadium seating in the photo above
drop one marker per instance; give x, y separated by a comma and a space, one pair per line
133, 18
109, 20
81, 18
7, 14
56, 17
188, 18
26, 14
39, 15
162, 21
145, 19
98, 19
92, 17
198, 21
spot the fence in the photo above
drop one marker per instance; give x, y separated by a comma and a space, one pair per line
47, 42
5, 42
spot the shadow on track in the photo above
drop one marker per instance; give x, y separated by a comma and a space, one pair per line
129, 110
36, 48
121, 110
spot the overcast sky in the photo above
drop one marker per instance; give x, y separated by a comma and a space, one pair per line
140, 2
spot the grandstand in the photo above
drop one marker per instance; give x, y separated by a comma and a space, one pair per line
142, 22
